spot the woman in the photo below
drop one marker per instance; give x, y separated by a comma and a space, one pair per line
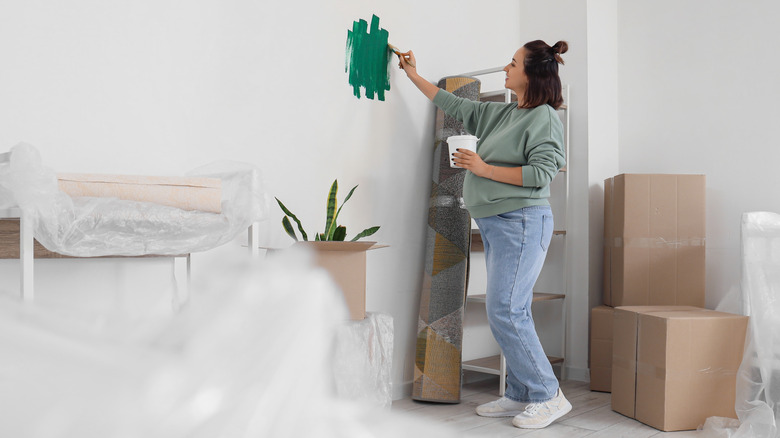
520, 151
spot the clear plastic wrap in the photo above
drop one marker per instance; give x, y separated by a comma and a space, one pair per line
89, 227
758, 379
251, 356
364, 360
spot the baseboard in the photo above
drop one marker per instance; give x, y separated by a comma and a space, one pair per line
578, 374
402, 391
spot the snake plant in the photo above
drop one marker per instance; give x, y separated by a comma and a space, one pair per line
333, 231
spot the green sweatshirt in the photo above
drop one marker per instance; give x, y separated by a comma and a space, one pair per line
508, 137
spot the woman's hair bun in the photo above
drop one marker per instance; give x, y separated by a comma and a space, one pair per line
560, 47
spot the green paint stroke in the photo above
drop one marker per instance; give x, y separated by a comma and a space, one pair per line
367, 59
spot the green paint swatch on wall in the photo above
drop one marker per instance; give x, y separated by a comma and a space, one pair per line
367, 59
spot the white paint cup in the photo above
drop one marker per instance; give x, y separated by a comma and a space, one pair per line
461, 142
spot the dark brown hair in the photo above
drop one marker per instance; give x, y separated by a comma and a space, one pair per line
541, 68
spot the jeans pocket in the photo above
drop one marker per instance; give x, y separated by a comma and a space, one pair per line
511, 216
547, 231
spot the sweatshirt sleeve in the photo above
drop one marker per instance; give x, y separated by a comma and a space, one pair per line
545, 154
466, 111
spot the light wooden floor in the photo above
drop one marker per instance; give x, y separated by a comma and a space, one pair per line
591, 415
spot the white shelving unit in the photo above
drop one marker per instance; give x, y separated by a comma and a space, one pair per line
497, 364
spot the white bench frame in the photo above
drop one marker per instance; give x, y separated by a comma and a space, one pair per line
182, 265
25, 251
25, 244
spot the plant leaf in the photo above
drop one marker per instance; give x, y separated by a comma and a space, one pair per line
289, 213
334, 224
365, 233
349, 195
340, 234
317, 237
288, 228
331, 208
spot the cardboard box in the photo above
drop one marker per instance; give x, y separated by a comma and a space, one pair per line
654, 237
346, 263
674, 366
601, 348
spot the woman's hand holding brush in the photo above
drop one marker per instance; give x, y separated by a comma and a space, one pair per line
408, 64
402, 56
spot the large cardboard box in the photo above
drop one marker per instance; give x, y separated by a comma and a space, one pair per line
674, 366
654, 237
601, 348
346, 264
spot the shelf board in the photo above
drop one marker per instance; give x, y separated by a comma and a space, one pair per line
476, 241
538, 296
543, 296
496, 96
500, 96
478, 245
487, 365
492, 364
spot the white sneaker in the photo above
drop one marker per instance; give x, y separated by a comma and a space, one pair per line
502, 407
539, 415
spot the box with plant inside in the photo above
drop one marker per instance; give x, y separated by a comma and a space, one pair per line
344, 261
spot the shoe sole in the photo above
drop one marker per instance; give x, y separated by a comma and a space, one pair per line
565, 410
499, 414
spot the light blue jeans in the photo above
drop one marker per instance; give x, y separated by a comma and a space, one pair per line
515, 247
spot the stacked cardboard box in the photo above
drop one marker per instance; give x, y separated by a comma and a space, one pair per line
672, 363
601, 348
654, 235
654, 238
675, 366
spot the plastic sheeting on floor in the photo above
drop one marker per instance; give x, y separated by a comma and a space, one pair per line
758, 379
364, 359
251, 356
88, 226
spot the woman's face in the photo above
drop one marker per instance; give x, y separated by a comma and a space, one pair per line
516, 79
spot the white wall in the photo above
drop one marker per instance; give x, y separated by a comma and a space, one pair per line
697, 83
161, 87
603, 123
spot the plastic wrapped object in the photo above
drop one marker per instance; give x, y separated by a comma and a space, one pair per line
719, 427
251, 356
89, 227
758, 379
364, 360
186, 193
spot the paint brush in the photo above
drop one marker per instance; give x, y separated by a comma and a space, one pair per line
395, 50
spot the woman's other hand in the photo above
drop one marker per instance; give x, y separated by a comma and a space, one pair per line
469, 160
